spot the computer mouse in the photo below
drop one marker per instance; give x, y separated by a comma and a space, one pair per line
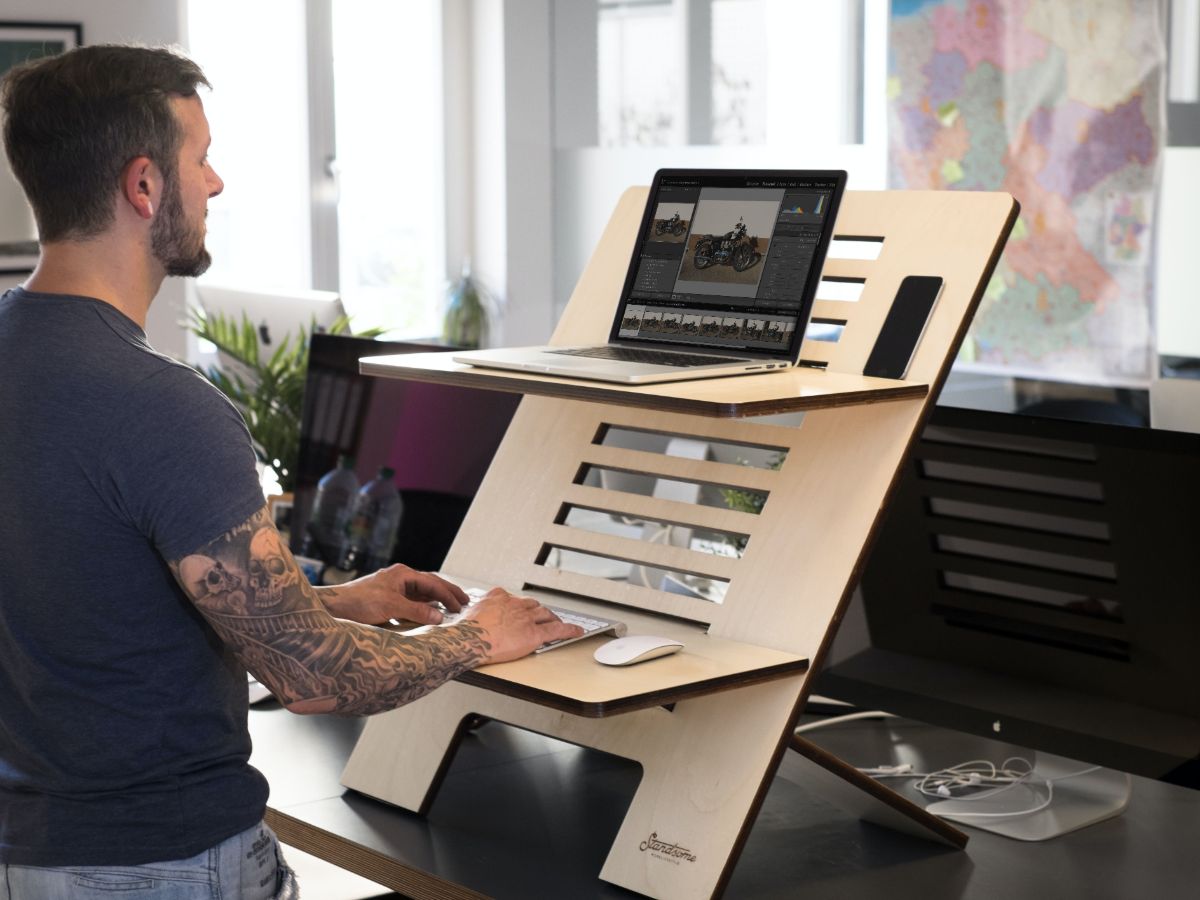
635, 648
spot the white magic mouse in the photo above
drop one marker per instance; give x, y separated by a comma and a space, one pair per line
635, 648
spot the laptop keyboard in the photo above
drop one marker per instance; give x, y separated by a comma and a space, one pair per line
654, 357
589, 624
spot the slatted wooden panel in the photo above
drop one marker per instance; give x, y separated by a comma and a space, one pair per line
822, 502
819, 503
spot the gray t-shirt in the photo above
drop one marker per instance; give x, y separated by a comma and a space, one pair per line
123, 735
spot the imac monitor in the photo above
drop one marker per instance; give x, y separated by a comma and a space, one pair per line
1034, 581
274, 315
439, 440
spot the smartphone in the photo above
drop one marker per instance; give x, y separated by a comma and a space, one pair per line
903, 327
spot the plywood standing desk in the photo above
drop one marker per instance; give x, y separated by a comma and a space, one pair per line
709, 725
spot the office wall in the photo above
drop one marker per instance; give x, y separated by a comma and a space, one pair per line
143, 21
1178, 282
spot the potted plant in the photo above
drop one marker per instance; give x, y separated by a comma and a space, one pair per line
468, 312
270, 394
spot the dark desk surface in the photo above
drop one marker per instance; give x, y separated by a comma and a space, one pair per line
521, 816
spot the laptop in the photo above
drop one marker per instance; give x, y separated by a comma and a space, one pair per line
722, 280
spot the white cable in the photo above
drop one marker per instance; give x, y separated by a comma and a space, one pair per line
982, 778
838, 720
973, 775
828, 701
1001, 815
1049, 785
1086, 771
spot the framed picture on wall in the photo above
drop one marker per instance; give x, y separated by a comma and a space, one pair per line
23, 41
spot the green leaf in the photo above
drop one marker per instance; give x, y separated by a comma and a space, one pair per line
269, 395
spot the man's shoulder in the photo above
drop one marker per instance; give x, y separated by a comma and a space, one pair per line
72, 332
134, 372
175, 388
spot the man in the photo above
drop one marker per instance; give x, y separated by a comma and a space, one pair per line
139, 570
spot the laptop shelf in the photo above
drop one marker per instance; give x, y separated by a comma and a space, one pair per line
791, 390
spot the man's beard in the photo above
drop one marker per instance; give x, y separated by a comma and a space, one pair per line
179, 247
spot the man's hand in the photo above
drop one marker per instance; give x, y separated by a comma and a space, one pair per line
396, 592
515, 626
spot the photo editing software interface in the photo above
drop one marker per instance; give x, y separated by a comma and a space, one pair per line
727, 261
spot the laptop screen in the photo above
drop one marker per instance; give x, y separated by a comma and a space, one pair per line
729, 260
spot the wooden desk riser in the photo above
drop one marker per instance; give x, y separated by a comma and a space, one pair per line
709, 725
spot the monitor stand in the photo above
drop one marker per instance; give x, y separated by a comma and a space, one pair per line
1079, 795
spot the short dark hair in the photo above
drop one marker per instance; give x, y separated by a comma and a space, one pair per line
73, 121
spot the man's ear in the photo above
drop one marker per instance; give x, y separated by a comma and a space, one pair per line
141, 186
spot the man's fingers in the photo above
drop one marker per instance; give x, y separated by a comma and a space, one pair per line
557, 628
436, 590
422, 613
544, 616
562, 631
458, 595
517, 625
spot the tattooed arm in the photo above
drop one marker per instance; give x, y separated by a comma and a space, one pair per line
250, 589
396, 592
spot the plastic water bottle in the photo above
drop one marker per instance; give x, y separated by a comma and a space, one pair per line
374, 520
331, 511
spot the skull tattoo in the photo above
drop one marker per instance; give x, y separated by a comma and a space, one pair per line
211, 583
270, 574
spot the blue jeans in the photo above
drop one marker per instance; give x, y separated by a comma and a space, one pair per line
247, 866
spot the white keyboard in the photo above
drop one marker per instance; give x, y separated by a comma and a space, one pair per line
590, 624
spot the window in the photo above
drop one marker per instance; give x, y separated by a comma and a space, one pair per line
388, 100
727, 72
642, 79
739, 72
293, 81
258, 229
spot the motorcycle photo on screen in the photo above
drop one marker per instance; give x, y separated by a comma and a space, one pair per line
674, 225
735, 248
670, 223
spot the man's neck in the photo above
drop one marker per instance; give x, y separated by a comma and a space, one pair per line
97, 269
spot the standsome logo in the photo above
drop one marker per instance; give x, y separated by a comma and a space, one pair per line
662, 850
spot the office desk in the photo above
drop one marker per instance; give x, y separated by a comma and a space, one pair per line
522, 816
